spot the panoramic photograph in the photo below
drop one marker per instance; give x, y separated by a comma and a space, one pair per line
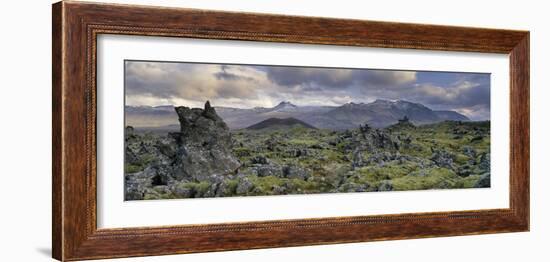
203, 130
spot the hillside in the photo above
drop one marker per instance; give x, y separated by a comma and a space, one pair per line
280, 123
382, 113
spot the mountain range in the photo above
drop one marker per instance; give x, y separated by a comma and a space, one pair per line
380, 113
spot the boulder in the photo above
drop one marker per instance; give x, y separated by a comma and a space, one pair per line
485, 162
225, 188
358, 159
292, 171
280, 190
272, 143
469, 151
268, 170
385, 185
262, 160
442, 158
212, 190
244, 185
182, 190
484, 181
136, 184
465, 170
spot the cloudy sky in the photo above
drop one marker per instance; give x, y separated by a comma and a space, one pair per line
247, 86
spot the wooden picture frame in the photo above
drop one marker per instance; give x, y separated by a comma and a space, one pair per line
76, 26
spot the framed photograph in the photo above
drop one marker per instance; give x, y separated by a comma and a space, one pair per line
181, 130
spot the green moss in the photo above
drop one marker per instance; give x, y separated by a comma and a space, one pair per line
150, 196
390, 171
242, 151
198, 187
462, 159
147, 159
202, 187
231, 187
333, 155
470, 181
265, 185
158, 193
144, 161
432, 178
129, 168
314, 185
299, 186
303, 142
340, 146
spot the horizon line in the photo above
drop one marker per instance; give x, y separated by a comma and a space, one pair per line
288, 101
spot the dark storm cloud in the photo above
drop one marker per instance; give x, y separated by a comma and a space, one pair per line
317, 78
323, 78
471, 92
384, 78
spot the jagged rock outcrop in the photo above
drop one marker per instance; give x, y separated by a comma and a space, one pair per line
370, 141
442, 158
204, 145
376, 139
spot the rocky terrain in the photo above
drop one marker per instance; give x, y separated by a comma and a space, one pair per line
204, 158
